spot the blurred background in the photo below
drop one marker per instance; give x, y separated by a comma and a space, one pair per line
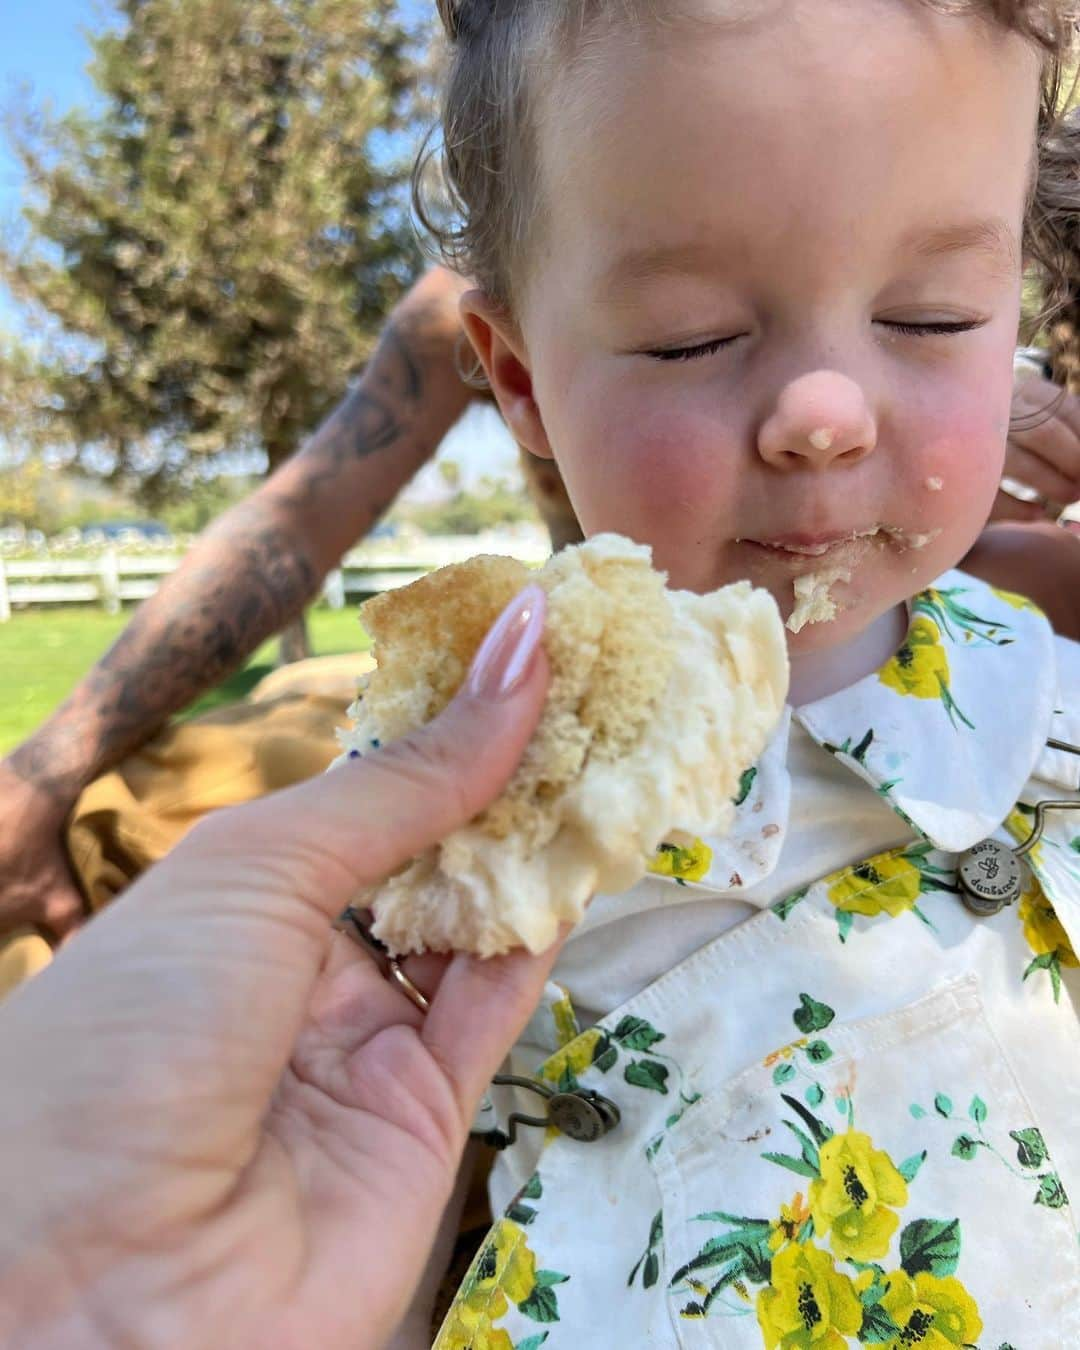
204, 224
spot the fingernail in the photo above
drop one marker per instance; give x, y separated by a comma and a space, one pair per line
506, 653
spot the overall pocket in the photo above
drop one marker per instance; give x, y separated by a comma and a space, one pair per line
880, 1182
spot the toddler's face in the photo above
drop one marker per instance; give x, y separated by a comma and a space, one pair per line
771, 329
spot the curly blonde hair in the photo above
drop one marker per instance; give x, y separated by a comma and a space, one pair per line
487, 163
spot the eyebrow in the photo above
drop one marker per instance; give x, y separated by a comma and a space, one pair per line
654, 261
992, 237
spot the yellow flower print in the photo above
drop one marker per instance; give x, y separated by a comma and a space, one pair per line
785, 1052
1043, 928
1016, 601
688, 863
932, 1312
920, 668
786, 1228
852, 1196
889, 883
505, 1269
809, 1304
461, 1335
577, 1056
566, 1026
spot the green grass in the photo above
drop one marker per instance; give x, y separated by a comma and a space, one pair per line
44, 653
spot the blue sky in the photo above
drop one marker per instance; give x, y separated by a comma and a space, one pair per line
46, 49
43, 49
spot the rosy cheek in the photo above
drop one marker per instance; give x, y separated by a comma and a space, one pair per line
686, 458
660, 459
957, 466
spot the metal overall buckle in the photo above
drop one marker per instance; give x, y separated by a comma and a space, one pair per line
583, 1115
991, 874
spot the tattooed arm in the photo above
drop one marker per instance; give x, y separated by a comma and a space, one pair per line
248, 575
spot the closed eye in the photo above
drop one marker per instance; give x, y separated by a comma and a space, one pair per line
930, 329
691, 353
933, 329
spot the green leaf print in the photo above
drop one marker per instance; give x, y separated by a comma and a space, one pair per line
532, 1190
817, 1128
910, 1166
647, 1073
567, 1080
802, 1167
541, 1305
932, 1245
859, 753
1048, 961
1051, 1192
943, 1105
812, 1015
917, 1111
532, 1342
965, 1147
878, 1327
977, 1110
523, 1214
783, 908
783, 1073
549, 1277
809, 1163
817, 1052
1074, 843
648, 1256
605, 1054
745, 1252
634, 1033
1031, 1150
746, 782
815, 1094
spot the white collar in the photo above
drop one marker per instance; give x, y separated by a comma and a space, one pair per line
951, 728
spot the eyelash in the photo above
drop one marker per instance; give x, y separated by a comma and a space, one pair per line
908, 329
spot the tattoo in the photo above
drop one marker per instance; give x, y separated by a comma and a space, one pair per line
216, 611
368, 419
215, 615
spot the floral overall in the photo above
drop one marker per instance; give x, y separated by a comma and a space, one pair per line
850, 1120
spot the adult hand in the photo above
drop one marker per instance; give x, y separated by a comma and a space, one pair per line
1043, 451
36, 885
219, 1125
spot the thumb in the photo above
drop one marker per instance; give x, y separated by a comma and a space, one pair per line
349, 828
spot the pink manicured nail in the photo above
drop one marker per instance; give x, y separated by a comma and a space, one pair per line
507, 652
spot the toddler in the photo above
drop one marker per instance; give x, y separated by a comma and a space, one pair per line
751, 272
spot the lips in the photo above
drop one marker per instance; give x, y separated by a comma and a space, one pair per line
812, 545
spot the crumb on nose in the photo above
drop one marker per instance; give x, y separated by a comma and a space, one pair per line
822, 438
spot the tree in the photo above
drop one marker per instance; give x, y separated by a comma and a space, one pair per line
218, 245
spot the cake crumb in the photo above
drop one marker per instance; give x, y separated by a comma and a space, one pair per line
813, 604
822, 438
935, 484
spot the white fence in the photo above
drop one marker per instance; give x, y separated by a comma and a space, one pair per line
112, 578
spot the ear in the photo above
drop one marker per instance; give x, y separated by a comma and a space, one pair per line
502, 353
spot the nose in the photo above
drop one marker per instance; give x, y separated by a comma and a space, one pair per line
820, 420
